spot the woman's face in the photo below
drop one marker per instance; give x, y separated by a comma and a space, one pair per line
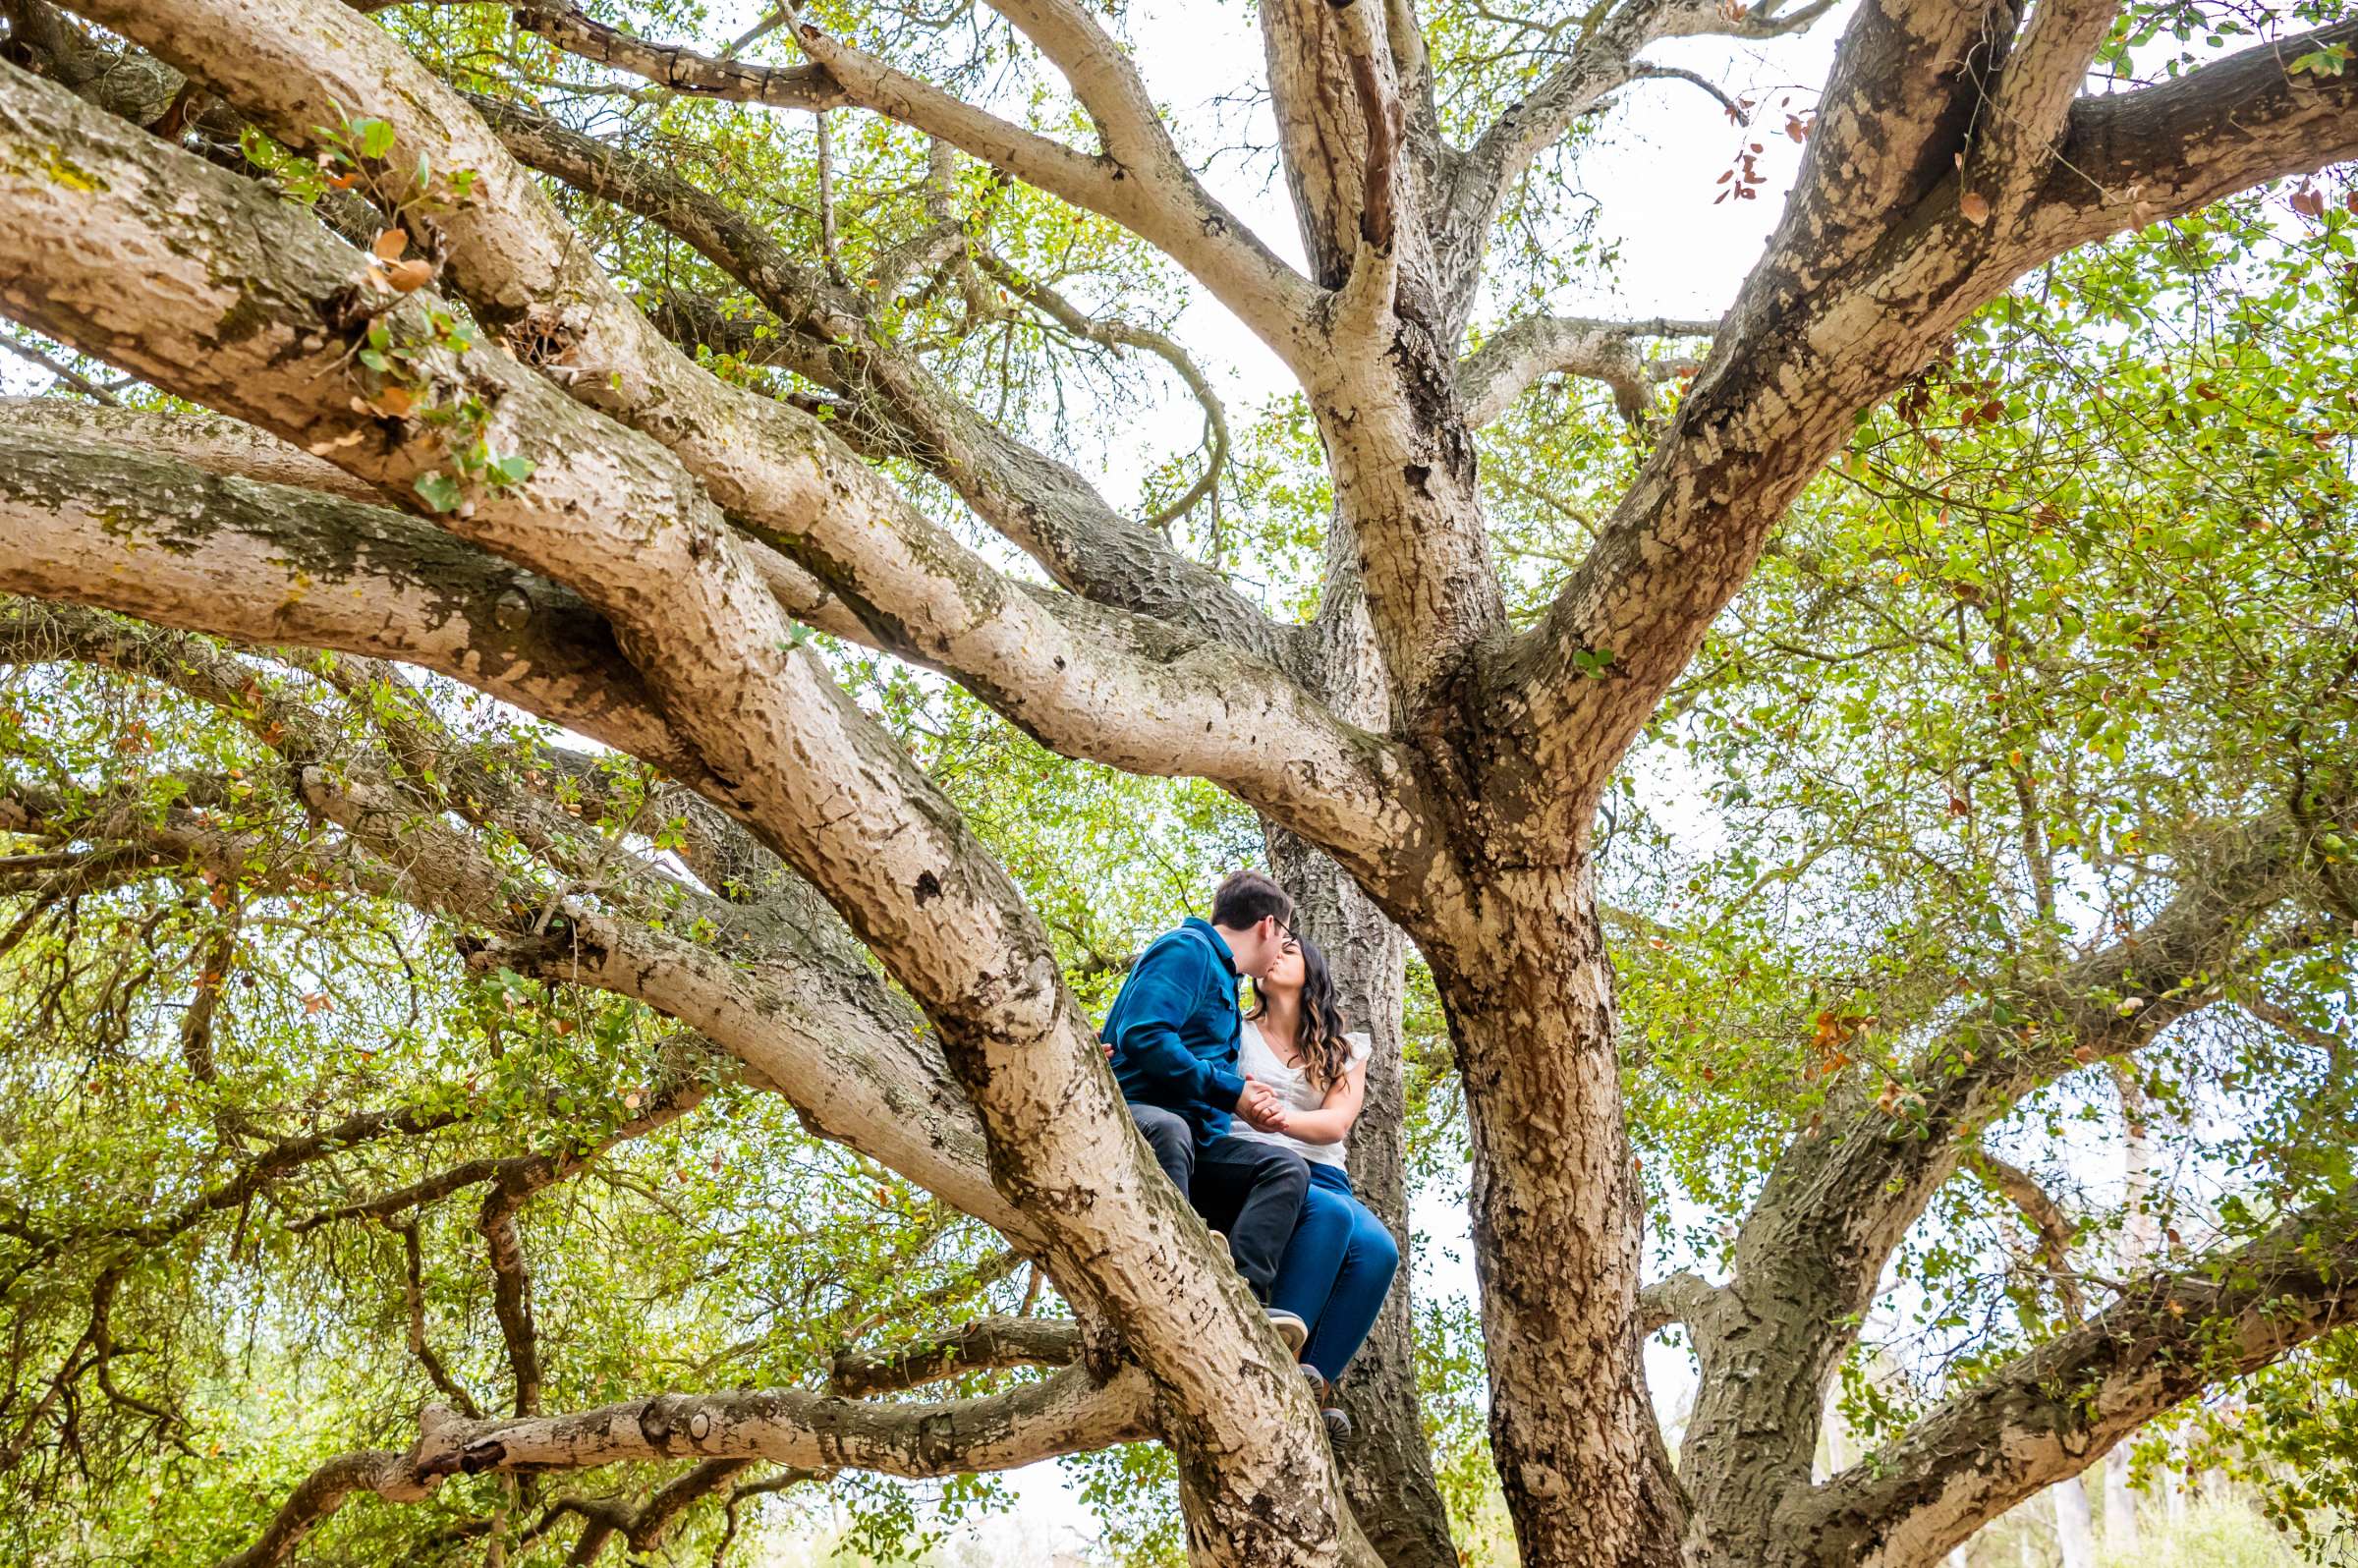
1286, 973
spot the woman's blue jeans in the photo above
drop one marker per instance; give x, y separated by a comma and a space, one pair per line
1335, 1271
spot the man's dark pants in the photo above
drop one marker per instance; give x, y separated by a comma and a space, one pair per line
1251, 1190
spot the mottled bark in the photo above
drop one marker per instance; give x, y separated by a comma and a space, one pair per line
1558, 1212
2059, 1409
1068, 1413
1387, 1469
977, 1346
1454, 777
1810, 1255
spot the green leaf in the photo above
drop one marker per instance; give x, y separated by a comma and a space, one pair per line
2325, 62
439, 491
373, 137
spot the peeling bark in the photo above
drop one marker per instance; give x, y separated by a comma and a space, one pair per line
642, 582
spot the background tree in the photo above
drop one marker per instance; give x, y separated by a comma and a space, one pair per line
632, 513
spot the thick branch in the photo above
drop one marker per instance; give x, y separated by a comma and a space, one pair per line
2024, 117
2059, 1408
315, 1501
1068, 1413
1814, 1247
1145, 188
1685, 1300
1042, 505
1494, 376
985, 1344
265, 563
1879, 254
2128, 159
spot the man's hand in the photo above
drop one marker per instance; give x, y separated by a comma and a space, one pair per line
1263, 1107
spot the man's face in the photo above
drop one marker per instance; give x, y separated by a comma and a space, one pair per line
1260, 952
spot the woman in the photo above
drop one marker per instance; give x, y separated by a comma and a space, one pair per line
1310, 1077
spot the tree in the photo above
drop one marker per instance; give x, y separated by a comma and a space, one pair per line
441, 434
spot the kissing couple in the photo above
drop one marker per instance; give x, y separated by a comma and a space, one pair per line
1248, 1113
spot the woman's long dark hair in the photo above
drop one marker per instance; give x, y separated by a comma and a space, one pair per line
1325, 1053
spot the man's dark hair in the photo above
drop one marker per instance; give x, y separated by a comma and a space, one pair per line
1247, 899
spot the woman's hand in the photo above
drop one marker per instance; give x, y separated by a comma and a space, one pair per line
1263, 1107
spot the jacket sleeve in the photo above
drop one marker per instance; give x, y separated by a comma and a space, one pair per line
1163, 991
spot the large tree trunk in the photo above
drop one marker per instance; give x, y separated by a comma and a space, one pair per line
1558, 1220
1387, 1467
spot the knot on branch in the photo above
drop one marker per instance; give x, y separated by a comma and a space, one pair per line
440, 1452
674, 1419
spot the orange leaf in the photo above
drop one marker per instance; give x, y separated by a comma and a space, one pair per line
389, 246
408, 277
1974, 206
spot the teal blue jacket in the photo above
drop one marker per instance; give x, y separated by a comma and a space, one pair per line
1175, 1026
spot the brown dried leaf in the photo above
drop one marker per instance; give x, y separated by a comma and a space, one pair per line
408, 277
389, 246
1974, 206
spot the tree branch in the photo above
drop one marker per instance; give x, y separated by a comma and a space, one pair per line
1879, 215
1068, 1413
2128, 159
413, 1299
2059, 1409
1601, 58
2053, 1227
985, 1344
1838, 1203
1684, 1299
1044, 506
265, 563
315, 1501
1494, 376
682, 70
1139, 180
2043, 72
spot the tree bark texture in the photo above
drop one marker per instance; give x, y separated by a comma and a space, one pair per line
1428, 773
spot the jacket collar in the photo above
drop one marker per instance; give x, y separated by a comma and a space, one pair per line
1211, 934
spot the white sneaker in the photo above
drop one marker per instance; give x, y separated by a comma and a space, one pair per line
1293, 1331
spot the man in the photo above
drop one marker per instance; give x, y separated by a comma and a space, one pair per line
1173, 1035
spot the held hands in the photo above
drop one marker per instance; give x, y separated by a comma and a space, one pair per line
1263, 1107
